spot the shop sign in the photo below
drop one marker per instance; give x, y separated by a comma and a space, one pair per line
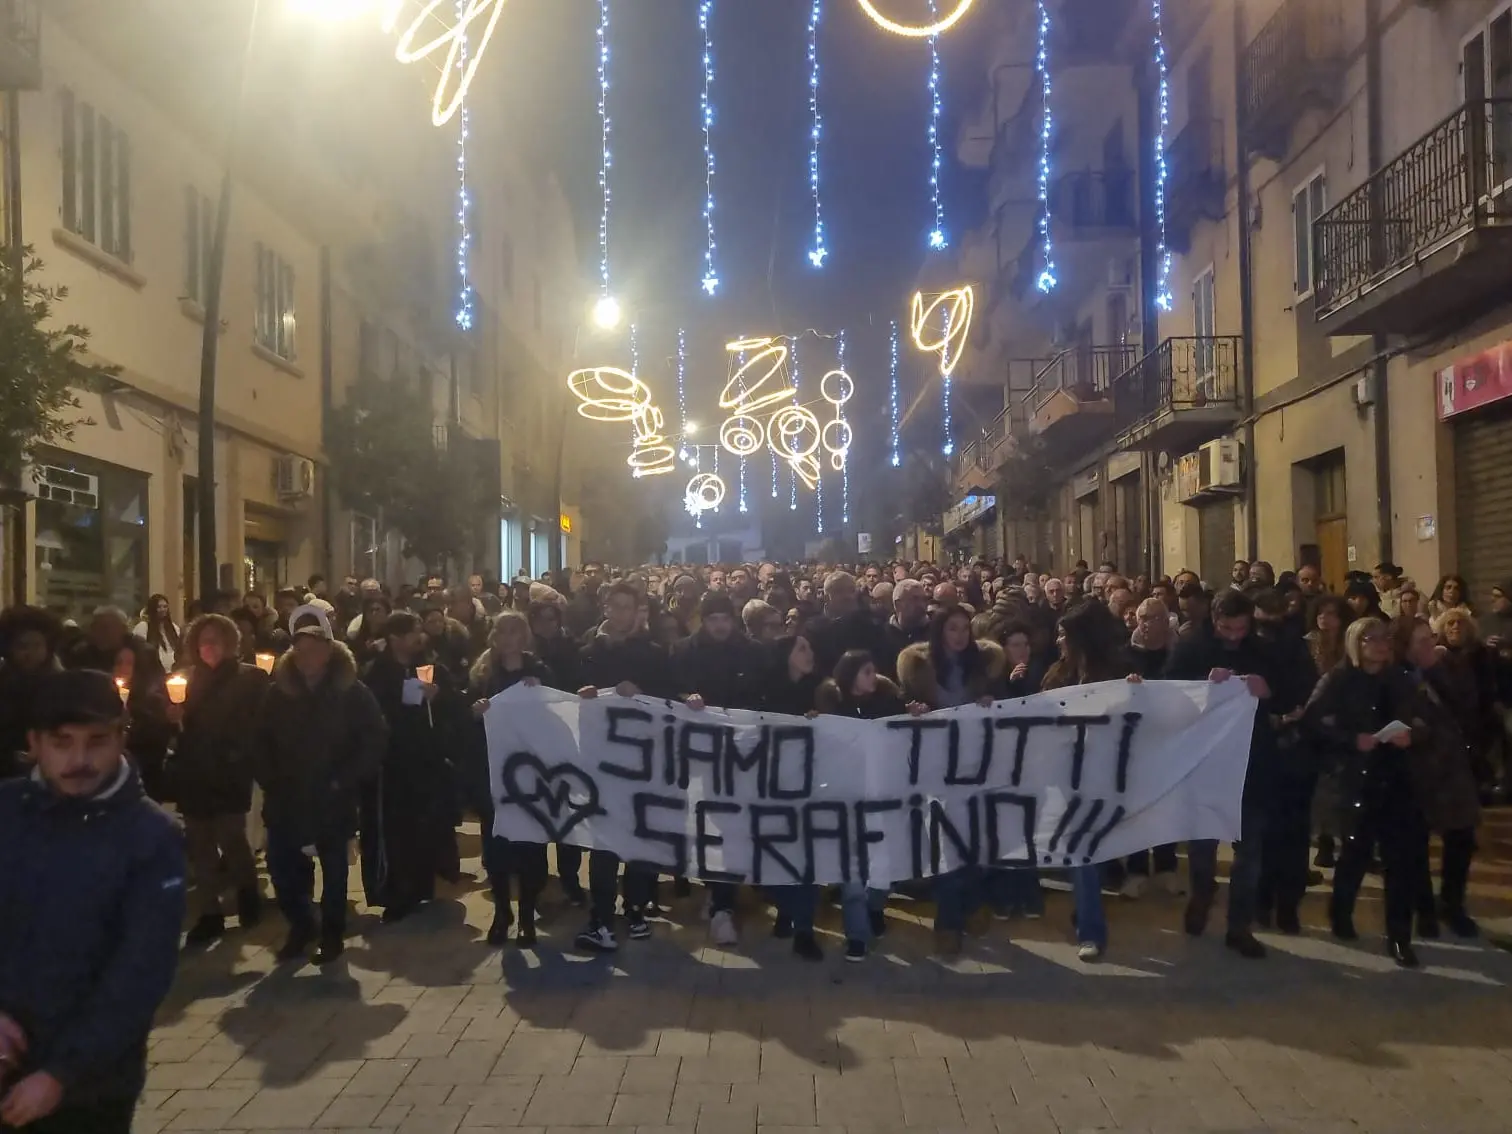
1475, 381
566, 522
967, 510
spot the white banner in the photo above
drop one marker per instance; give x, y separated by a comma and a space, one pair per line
1060, 779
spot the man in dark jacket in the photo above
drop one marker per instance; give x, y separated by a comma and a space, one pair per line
211, 772
627, 661
91, 901
908, 625
1232, 651
845, 625
721, 668
320, 739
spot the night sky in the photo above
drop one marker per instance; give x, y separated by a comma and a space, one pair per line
874, 176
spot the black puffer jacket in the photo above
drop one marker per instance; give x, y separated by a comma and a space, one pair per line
210, 771
727, 675
315, 748
91, 903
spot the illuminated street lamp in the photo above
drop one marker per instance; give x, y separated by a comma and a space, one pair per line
607, 313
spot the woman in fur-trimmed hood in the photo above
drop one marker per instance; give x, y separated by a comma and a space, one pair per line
951, 668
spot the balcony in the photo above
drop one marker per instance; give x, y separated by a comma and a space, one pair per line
1184, 392
1070, 404
20, 45
1295, 64
1196, 180
1094, 204
1428, 238
977, 463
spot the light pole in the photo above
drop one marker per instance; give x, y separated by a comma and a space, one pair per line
209, 560
606, 316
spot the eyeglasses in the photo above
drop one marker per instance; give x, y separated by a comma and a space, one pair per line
1375, 638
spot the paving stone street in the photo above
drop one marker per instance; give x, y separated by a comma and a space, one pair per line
422, 1027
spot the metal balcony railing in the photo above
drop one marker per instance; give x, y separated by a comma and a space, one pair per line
1180, 374
1299, 48
1091, 199
1455, 179
1087, 372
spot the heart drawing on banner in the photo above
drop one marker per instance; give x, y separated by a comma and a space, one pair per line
558, 796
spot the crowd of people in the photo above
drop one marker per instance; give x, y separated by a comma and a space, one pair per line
358, 714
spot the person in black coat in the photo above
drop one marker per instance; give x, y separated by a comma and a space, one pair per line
211, 772
408, 832
29, 639
319, 741
846, 624
1232, 650
1288, 828
91, 903
559, 650
622, 658
506, 663
721, 668
1351, 706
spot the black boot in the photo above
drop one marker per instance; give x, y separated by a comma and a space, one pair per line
207, 929
498, 932
1401, 951
249, 906
331, 946
805, 946
1460, 923
525, 936
296, 945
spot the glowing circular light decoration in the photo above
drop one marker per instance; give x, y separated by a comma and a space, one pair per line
954, 310
608, 393
741, 435
464, 48
705, 493
794, 434
837, 387
745, 395
917, 31
651, 455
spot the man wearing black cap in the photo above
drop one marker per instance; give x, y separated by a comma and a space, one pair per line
91, 902
721, 667
320, 739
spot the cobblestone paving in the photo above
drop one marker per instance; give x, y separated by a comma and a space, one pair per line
423, 1027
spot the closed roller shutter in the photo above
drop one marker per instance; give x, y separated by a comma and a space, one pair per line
1483, 500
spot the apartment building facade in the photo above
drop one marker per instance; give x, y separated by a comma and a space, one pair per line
341, 265
1322, 382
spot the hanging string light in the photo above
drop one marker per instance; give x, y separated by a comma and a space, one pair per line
634, 350
816, 127
1046, 280
711, 277
682, 393
936, 234
1163, 289
741, 359
892, 394
464, 313
605, 157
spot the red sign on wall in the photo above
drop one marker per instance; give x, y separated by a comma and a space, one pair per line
1475, 381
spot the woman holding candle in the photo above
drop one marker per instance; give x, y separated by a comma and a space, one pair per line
408, 830
215, 705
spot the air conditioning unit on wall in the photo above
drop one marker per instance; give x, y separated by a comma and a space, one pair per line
1218, 467
296, 477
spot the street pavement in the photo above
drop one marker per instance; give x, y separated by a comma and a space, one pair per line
422, 1027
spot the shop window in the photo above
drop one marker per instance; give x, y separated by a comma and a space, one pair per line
91, 535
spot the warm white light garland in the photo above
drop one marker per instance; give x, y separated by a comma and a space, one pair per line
462, 57
918, 31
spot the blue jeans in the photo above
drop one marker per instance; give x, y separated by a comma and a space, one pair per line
293, 875
857, 903
1013, 890
957, 896
798, 904
1086, 891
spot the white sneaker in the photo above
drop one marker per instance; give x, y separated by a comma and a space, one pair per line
597, 939
1089, 952
1170, 881
1134, 886
722, 928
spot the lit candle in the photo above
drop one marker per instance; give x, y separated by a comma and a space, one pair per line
123, 689
265, 662
178, 688
426, 673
